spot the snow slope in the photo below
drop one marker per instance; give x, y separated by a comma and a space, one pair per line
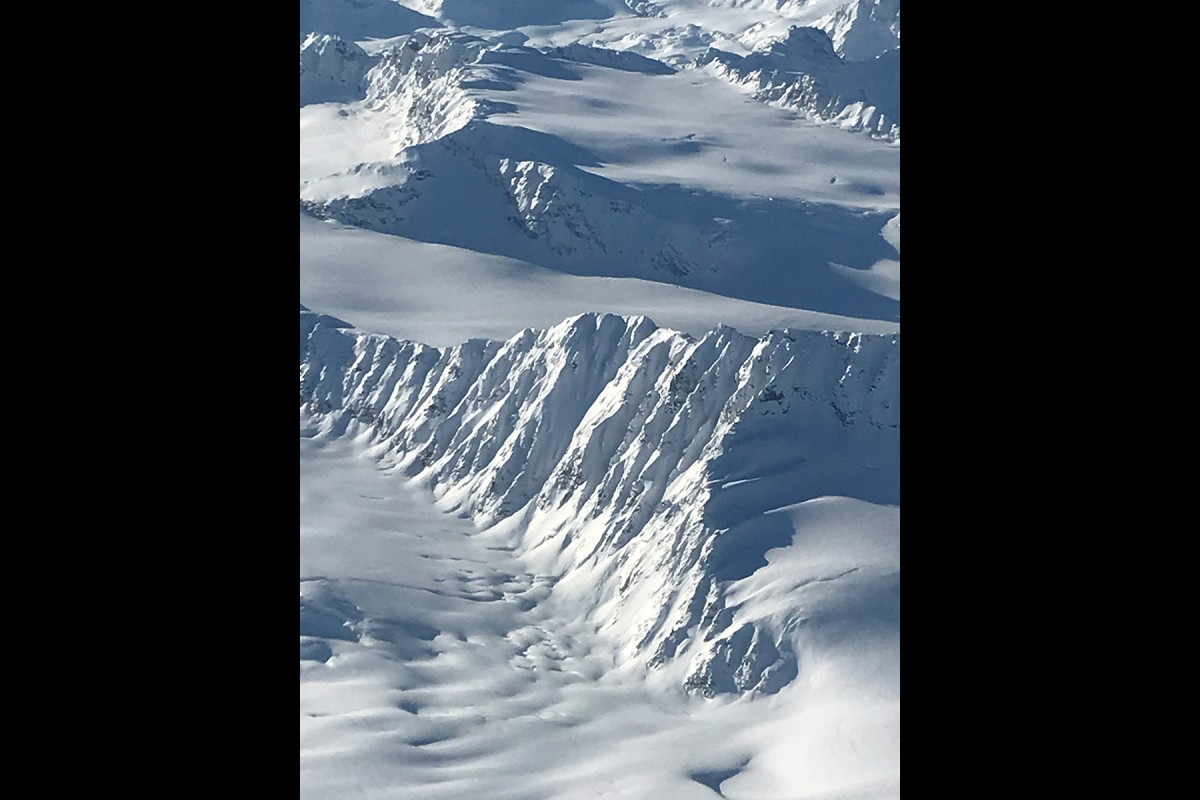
803, 72
331, 69
360, 19
434, 663
637, 464
444, 295
531, 143
676, 30
550, 549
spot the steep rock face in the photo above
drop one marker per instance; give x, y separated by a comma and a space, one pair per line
804, 72
331, 69
640, 465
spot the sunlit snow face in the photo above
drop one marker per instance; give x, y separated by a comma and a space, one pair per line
435, 659
549, 548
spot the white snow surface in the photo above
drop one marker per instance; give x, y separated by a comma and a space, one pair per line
436, 664
805, 73
444, 295
591, 164
637, 456
674, 30
550, 549
635, 520
331, 69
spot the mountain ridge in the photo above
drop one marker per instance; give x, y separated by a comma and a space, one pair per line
648, 459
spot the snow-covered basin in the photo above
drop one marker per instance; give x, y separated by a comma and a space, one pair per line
435, 665
444, 295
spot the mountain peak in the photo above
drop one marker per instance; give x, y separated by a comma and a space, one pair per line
806, 43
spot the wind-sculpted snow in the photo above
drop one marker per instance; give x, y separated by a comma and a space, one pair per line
647, 470
803, 72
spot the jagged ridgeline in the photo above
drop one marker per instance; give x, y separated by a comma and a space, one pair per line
651, 461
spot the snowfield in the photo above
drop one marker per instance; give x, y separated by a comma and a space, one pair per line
435, 664
599, 398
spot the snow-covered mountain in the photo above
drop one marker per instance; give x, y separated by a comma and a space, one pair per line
360, 19
435, 101
864, 29
545, 557
331, 69
805, 73
860, 29
646, 459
